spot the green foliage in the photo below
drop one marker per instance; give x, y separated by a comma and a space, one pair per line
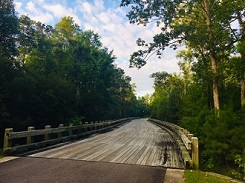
191, 176
240, 161
195, 22
167, 96
64, 75
8, 52
76, 120
8, 30
143, 106
218, 136
206, 98
221, 139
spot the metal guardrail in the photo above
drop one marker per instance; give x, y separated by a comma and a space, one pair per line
187, 143
61, 134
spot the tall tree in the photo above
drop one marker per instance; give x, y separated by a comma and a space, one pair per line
8, 30
185, 67
167, 98
235, 13
201, 23
8, 51
64, 74
241, 49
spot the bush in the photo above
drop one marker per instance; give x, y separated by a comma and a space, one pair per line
223, 138
239, 173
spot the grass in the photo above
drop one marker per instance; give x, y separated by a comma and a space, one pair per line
203, 177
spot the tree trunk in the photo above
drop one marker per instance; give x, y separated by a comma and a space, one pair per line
212, 59
243, 94
242, 30
215, 85
243, 86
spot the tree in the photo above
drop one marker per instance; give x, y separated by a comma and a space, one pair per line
241, 48
200, 23
63, 75
168, 96
186, 66
8, 30
235, 13
8, 51
241, 67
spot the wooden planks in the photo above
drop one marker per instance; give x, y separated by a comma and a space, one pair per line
138, 142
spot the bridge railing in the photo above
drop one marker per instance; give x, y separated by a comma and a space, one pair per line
36, 139
187, 143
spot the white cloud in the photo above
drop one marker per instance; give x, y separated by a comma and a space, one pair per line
18, 5
103, 17
110, 27
44, 18
142, 76
34, 11
40, 1
86, 7
59, 12
88, 26
32, 8
98, 5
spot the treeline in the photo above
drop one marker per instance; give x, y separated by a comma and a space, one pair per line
62, 74
209, 97
186, 99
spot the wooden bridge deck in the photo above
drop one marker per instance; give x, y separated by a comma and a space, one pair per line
138, 142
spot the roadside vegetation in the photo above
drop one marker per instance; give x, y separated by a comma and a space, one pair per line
61, 74
208, 96
203, 177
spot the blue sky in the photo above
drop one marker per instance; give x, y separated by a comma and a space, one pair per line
109, 20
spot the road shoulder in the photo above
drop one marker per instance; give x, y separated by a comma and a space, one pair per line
174, 176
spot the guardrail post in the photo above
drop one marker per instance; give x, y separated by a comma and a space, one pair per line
86, 128
70, 130
80, 130
195, 153
29, 139
92, 126
47, 135
100, 124
185, 132
190, 136
103, 124
60, 133
7, 142
95, 125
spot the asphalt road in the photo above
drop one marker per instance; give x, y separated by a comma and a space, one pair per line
43, 170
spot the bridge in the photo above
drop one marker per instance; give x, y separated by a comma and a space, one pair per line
127, 151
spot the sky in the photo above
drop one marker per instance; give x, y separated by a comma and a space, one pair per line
109, 20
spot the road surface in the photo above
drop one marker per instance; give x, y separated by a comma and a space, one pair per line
137, 152
138, 142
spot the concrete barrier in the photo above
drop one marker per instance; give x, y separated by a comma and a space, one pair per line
187, 143
62, 134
